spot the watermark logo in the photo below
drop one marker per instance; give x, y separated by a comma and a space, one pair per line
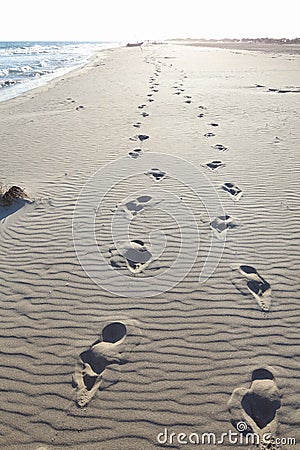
241, 427
169, 438
135, 253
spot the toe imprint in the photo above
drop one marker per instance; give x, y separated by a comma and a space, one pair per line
257, 286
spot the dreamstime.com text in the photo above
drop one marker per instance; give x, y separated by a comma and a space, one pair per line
167, 437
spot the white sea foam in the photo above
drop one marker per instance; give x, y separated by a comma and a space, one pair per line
28, 63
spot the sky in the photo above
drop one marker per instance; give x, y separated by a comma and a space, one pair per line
133, 20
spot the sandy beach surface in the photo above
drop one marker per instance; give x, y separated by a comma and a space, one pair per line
251, 45
88, 361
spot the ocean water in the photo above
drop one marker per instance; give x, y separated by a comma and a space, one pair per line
26, 65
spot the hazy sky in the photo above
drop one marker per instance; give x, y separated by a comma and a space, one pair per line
123, 20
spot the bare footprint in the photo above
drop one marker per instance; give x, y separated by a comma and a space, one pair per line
137, 205
256, 407
156, 174
235, 192
221, 224
136, 153
257, 286
214, 165
139, 137
132, 255
92, 363
220, 147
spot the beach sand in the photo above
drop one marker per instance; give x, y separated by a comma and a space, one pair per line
197, 358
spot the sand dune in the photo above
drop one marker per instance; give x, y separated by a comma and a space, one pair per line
199, 357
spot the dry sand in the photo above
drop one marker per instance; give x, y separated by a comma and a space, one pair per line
200, 357
266, 47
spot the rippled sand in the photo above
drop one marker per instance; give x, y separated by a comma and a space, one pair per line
185, 358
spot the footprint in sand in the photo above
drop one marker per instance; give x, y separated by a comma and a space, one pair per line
139, 137
144, 114
201, 115
132, 255
79, 108
213, 124
142, 106
137, 124
257, 286
136, 153
137, 205
235, 192
178, 86
220, 147
256, 406
214, 165
156, 174
221, 224
208, 135
93, 362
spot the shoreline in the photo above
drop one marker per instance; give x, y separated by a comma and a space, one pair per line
29, 85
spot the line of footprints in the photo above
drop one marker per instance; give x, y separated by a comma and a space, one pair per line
258, 404
221, 224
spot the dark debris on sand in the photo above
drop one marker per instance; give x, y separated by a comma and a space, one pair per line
13, 193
